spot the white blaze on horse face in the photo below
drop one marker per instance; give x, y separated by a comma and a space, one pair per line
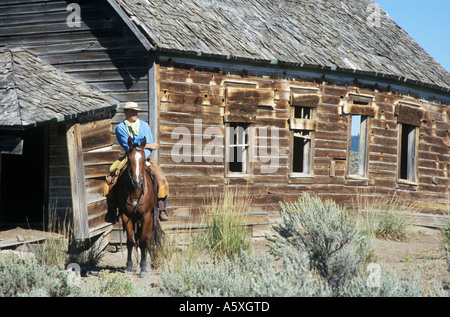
137, 156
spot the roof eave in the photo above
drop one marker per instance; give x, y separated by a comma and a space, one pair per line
326, 70
140, 34
62, 118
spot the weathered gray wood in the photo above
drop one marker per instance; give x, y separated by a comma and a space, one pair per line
75, 152
153, 100
328, 34
28, 103
131, 25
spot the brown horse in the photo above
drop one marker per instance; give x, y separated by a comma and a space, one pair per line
137, 205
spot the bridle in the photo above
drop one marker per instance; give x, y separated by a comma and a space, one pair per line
135, 203
130, 172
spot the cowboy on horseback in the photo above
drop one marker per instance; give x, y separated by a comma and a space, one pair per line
136, 129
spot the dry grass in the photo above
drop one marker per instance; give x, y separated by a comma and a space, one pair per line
226, 216
54, 249
222, 233
386, 217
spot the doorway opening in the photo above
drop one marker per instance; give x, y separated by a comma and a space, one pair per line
23, 182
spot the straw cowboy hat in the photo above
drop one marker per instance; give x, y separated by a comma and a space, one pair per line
130, 105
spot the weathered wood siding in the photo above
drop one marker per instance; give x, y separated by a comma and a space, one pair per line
80, 155
189, 95
97, 158
60, 197
102, 52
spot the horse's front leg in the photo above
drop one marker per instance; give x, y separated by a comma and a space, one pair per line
144, 242
144, 248
128, 227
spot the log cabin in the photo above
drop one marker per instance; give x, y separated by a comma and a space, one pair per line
271, 98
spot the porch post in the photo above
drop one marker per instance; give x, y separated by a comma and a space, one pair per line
153, 101
77, 181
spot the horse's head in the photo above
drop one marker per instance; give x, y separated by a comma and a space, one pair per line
136, 162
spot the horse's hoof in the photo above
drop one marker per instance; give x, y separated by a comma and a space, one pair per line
129, 270
143, 274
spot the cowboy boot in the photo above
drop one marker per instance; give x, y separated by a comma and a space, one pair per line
163, 216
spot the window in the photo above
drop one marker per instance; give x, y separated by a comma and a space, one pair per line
409, 119
241, 103
359, 109
301, 142
238, 148
407, 156
302, 124
357, 160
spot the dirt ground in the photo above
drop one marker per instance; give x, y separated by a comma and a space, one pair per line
423, 253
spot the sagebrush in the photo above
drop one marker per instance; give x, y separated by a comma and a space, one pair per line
331, 238
319, 250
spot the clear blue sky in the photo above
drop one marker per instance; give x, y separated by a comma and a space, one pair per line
426, 21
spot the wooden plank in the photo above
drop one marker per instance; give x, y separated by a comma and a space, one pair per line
251, 96
77, 181
153, 100
97, 208
96, 134
304, 100
303, 124
94, 190
100, 157
409, 114
19, 236
131, 25
98, 170
359, 110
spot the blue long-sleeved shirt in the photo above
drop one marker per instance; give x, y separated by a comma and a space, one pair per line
144, 131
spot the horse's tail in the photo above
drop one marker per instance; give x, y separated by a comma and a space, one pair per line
160, 236
157, 234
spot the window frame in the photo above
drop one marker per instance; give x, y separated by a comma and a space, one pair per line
304, 126
307, 162
247, 161
412, 154
359, 105
363, 154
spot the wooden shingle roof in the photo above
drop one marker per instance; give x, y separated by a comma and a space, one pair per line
34, 92
335, 34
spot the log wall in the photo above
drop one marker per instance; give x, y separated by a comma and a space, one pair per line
191, 95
